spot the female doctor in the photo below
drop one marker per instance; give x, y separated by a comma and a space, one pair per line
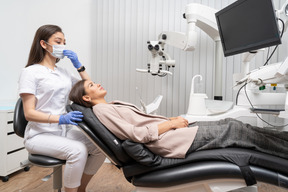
44, 88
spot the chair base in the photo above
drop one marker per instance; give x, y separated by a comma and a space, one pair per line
57, 178
213, 185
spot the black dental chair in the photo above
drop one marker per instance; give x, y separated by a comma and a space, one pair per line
146, 170
19, 123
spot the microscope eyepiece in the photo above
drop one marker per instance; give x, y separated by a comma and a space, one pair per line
150, 47
156, 47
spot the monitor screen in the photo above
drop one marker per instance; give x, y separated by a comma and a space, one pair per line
247, 25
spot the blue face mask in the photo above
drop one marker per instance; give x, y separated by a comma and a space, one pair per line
57, 50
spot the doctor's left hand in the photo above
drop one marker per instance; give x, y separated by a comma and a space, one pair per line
70, 118
73, 57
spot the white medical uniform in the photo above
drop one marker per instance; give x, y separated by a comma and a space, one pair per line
51, 89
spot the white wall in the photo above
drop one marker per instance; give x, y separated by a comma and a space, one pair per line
19, 21
121, 31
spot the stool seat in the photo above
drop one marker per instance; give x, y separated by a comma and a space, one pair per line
45, 161
19, 126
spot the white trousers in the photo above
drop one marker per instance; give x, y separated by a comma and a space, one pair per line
81, 155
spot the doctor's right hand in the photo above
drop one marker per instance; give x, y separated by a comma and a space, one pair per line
70, 118
73, 57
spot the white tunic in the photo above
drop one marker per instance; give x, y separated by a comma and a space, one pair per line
51, 89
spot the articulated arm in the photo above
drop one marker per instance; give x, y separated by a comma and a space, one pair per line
271, 74
196, 15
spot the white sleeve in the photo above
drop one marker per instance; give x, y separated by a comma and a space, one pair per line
27, 82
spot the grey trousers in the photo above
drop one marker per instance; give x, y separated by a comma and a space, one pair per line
233, 133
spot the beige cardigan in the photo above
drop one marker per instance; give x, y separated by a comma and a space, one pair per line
126, 121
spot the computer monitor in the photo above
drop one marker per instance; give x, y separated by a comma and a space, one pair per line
247, 25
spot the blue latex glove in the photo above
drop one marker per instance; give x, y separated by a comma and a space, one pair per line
73, 57
70, 118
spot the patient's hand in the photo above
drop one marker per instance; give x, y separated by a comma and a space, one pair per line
179, 122
174, 123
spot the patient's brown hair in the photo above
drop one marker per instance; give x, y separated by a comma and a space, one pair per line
77, 92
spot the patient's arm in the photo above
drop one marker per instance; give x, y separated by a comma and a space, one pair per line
174, 123
123, 129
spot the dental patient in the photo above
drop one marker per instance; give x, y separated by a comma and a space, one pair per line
173, 137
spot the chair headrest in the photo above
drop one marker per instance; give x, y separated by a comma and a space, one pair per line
19, 121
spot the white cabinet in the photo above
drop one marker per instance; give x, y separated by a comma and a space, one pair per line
12, 151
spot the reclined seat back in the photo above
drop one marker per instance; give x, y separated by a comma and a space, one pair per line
106, 141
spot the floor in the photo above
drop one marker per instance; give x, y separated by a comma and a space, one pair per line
108, 179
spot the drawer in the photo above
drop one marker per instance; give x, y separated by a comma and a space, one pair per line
9, 124
9, 128
10, 116
14, 160
14, 142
